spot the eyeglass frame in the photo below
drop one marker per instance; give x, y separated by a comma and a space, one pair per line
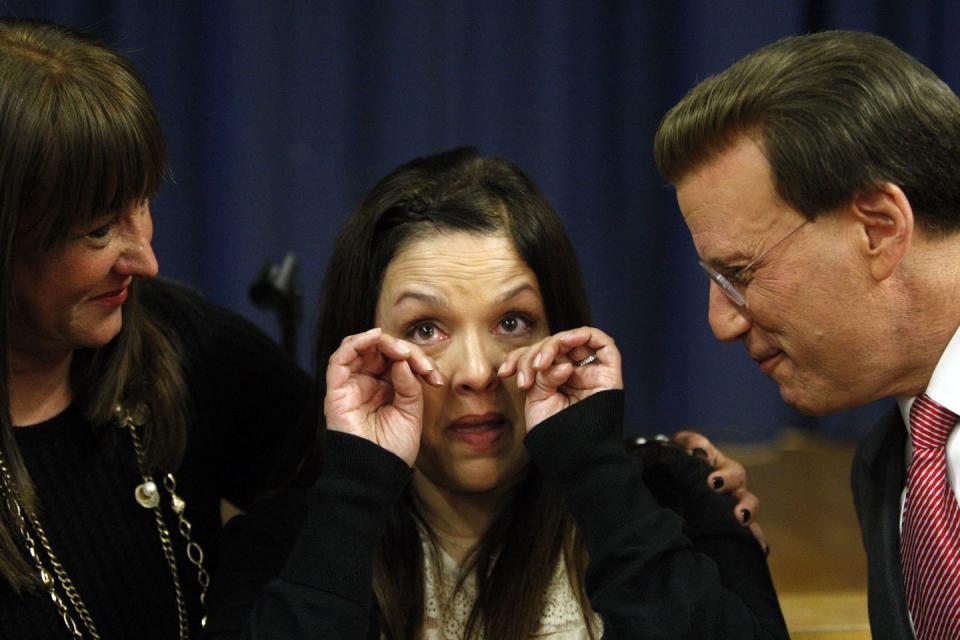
726, 283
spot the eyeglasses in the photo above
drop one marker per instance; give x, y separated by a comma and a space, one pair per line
728, 283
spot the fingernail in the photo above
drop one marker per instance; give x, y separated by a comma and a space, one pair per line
700, 453
717, 482
521, 379
766, 550
435, 378
500, 370
745, 514
537, 360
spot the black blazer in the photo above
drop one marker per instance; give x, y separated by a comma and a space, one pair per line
878, 477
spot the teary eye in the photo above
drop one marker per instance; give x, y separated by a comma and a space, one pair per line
514, 324
423, 332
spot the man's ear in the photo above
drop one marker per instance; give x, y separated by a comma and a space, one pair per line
886, 218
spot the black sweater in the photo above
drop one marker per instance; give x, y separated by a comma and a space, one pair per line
247, 398
653, 573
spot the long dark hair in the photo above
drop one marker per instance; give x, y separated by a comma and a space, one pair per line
461, 190
79, 138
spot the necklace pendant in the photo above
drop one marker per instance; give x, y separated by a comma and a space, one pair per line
147, 494
127, 417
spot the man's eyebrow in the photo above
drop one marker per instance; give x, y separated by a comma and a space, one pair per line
728, 260
717, 264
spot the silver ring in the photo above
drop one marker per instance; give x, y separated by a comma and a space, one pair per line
590, 359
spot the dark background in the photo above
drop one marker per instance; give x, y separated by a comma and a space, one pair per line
279, 115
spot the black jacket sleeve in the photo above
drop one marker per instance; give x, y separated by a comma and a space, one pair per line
652, 573
322, 586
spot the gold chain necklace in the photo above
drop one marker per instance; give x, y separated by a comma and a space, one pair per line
147, 496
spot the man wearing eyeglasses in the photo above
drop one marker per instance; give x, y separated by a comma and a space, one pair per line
820, 180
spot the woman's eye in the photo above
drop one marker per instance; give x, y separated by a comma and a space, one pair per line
101, 232
423, 333
514, 325
106, 225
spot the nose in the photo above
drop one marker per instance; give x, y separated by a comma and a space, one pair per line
472, 365
728, 321
137, 257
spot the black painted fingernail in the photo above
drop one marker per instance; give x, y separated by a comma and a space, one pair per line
700, 453
745, 514
717, 482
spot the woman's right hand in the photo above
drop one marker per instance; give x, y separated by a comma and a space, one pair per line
374, 391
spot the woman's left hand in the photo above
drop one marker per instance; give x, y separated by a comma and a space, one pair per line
729, 476
563, 369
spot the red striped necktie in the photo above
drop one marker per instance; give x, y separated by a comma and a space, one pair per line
930, 535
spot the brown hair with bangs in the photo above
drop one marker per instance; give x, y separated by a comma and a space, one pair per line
79, 140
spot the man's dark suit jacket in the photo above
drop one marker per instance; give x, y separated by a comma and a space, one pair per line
878, 478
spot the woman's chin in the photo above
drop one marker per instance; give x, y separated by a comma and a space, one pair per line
486, 476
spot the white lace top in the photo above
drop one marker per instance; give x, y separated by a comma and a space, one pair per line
446, 613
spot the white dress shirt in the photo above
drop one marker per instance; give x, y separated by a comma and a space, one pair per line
944, 389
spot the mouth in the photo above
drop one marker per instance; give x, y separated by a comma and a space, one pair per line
768, 360
113, 298
479, 431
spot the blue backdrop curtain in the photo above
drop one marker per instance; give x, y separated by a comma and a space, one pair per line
279, 115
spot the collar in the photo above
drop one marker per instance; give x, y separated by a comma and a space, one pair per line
944, 385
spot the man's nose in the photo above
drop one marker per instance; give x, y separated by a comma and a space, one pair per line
728, 321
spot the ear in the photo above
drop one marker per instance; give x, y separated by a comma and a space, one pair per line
886, 219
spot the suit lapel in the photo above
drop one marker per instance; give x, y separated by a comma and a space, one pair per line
878, 477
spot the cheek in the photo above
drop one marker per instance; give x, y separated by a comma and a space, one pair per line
787, 300
516, 401
433, 402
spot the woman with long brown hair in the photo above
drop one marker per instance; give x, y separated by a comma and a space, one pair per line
129, 407
473, 481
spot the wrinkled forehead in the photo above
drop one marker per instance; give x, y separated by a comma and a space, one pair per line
469, 258
460, 266
731, 201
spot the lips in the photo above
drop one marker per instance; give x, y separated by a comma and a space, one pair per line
479, 431
112, 298
767, 360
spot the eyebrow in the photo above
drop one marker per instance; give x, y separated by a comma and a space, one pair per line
425, 298
437, 301
719, 264
727, 261
513, 293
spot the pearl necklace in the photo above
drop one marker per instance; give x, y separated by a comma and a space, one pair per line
56, 580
